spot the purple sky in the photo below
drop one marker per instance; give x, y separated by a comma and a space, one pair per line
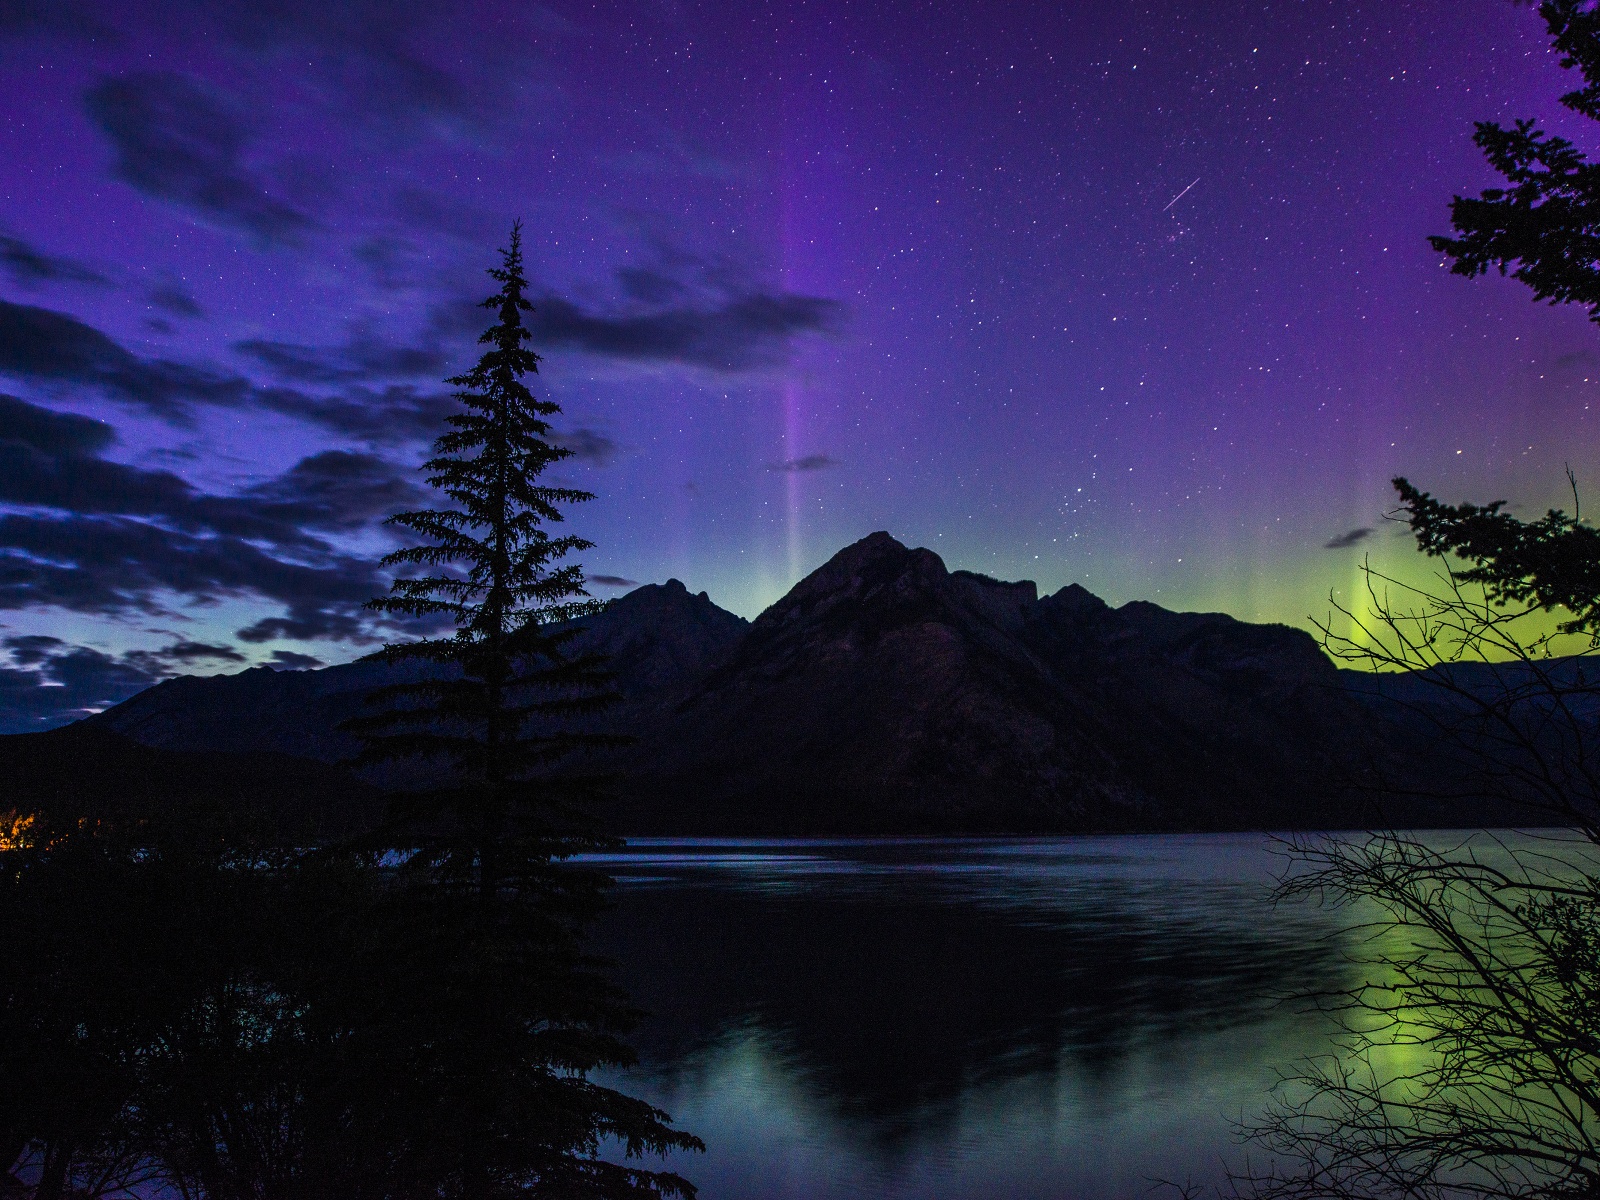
1135, 296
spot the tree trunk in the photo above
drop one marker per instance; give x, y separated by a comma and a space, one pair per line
53, 1179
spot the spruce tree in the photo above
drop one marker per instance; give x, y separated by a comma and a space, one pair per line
502, 1015
499, 685
1543, 227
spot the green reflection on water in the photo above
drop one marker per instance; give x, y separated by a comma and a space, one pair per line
1069, 1017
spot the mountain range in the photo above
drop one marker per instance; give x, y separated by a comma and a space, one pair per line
887, 694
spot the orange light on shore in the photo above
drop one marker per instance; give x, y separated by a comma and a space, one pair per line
16, 830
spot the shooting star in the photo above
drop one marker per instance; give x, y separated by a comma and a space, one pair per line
1181, 194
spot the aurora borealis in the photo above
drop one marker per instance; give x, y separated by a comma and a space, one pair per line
1137, 296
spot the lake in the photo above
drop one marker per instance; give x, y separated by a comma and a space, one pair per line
1062, 1017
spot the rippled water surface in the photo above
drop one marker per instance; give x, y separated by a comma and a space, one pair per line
1076, 1017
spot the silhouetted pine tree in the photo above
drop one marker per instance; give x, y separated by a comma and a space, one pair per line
1542, 226
499, 1016
494, 570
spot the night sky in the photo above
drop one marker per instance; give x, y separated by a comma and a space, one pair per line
1137, 296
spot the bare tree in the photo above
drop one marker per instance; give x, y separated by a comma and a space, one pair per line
1468, 1056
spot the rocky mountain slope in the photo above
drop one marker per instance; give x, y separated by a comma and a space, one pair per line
885, 693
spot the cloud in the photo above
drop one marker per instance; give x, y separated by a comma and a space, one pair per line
809, 462
370, 35
742, 333
612, 581
50, 682
178, 142
588, 445
55, 349
404, 67
50, 432
185, 652
115, 566
382, 416
68, 19
50, 347
339, 490
290, 660
1346, 540
362, 358
29, 266
170, 298
95, 536
52, 460
391, 260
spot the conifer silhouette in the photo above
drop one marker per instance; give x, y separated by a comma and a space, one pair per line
492, 568
503, 1015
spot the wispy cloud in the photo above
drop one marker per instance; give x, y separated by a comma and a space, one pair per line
1345, 540
29, 266
47, 681
809, 462
742, 333
588, 445
91, 535
181, 143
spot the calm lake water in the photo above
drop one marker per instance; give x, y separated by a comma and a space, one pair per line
1072, 1017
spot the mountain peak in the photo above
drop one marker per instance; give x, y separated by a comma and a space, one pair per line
861, 568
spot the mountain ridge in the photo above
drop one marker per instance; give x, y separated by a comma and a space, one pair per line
885, 693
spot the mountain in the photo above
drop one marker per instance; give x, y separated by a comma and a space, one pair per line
657, 638
887, 694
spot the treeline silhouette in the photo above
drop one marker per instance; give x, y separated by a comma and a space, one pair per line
186, 1007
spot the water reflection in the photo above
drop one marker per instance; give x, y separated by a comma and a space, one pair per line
1071, 1017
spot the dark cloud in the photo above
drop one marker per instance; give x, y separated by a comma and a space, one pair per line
52, 460
382, 416
50, 432
111, 566
340, 490
29, 266
649, 285
50, 682
171, 298
50, 347
1346, 540
95, 536
362, 358
180, 143
54, 349
289, 660
371, 36
809, 462
29, 650
741, 333
185, 652
391, 260
588, 445
438, 214
612, 581
54, 18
